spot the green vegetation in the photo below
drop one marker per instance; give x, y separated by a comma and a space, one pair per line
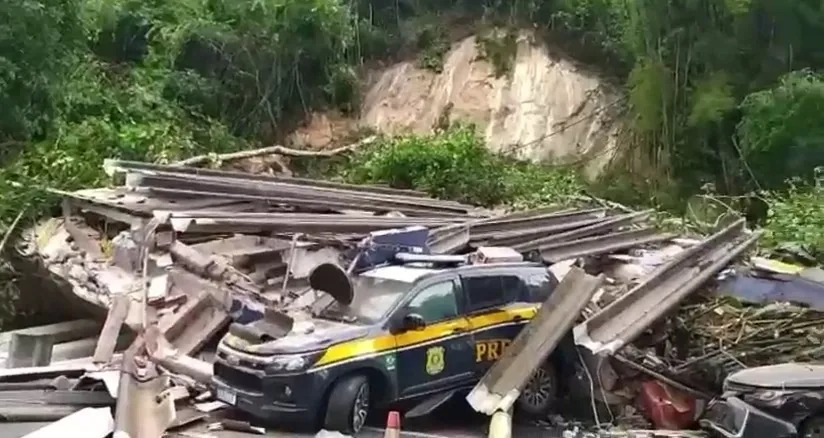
455, 164
432, 44
722, 94
796, 219
499, 46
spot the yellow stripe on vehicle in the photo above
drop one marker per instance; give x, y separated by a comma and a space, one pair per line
346, 350
360, 347
388, 342
505, 315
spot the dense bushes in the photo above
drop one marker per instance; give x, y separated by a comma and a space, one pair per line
782, 129
83, 80
796, 219
455, 164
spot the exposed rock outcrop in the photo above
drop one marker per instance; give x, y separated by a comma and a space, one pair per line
544, 109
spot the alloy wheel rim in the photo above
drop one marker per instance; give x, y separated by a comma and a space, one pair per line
815, 431
538, 389
361, 408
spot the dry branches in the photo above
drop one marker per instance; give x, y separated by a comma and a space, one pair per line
273, 150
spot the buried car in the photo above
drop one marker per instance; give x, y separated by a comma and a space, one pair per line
778, 401
413, 335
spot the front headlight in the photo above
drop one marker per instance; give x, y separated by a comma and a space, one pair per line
292, 363
768, 397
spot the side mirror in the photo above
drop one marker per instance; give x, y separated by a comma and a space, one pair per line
410, 322
413, 321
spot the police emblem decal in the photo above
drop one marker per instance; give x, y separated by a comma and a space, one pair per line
434, 360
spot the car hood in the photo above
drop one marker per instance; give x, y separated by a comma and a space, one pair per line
783, 376
306, 336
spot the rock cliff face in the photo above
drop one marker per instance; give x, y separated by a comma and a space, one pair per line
544, 109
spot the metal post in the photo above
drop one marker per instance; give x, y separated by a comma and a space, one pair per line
144, 407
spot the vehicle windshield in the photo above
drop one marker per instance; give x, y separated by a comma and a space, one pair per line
374, 297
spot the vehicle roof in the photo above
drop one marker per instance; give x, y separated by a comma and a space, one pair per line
496, 266
405, 274
410, 273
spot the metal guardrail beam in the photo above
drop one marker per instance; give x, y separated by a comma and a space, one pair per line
307, 203
502, 384
509, 224
113, 167
451, 241
623, 320
218, 222
601, 244
526, 236
446, 230
584, 229
179, 174
277, 190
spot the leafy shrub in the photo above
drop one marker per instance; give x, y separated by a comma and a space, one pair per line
796, 218
781, 130
433, 45
455, 164
499, 46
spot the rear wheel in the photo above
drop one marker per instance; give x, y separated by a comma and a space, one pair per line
348, 405
540, 392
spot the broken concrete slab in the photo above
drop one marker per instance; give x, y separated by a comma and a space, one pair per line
502, 384
62, 331
30, 350
88, 423
118, 312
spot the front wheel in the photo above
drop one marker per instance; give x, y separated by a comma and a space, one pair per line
813, 428
540, 392
348, 405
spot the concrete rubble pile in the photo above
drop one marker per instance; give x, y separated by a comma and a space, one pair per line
174, 254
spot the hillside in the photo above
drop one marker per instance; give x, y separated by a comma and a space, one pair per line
720, 100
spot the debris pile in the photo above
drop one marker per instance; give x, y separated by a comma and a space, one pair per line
178, 255
726, 335
755, 335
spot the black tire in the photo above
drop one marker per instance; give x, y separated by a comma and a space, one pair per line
813, 427
540, 393
348, 405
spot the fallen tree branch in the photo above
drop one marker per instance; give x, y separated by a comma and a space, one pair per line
273, 150
11, 229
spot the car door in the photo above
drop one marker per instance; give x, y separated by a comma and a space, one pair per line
439, 356
497, 309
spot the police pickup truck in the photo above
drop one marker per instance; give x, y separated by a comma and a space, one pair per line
413, 332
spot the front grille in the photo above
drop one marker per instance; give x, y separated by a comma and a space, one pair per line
238, 378
723, 415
